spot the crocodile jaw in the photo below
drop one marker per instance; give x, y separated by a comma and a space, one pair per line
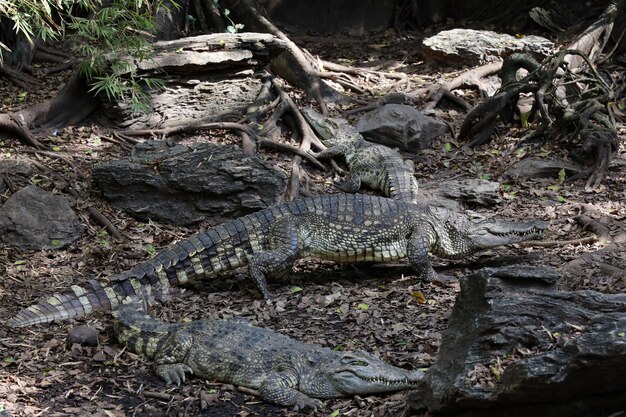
504, 233
350, 373
456, 235
488, 235
351, 382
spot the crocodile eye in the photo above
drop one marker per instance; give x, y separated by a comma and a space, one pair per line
351, 360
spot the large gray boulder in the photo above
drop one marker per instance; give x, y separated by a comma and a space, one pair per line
477, 47
400, 126
33, 218
183, 185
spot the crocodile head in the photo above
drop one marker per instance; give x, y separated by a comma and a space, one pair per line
338, 374
460, 234
332, 131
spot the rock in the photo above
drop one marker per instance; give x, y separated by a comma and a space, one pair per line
400, 126
83, 335
183, 185
17, 172
477, 47
542, 168
210, 77
458, 194
517, 346
33, 218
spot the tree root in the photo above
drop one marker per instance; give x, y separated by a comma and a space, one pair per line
18, 78
292, 65
14, 125
72, 105
552, 87
394, 98
468, 79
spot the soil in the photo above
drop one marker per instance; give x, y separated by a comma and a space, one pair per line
382, 309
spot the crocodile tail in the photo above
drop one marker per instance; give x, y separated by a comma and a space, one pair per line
171, 267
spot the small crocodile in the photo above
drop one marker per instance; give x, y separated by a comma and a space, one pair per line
337, 227
376, 166
285, 371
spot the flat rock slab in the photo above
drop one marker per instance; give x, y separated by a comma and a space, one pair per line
400, 126
207, 78
459, 194
33, 218
517, 346
477, 47
183, 185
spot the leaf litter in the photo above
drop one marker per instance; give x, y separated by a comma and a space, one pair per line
384, 310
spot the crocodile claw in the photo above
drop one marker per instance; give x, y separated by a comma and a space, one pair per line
310, 404
173, 373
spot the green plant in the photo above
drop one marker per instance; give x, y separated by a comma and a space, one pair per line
121, 29
112, 32
232, 27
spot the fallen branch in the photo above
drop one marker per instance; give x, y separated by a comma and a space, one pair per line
560, 243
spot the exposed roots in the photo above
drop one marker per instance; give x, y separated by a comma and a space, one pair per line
572, 107
272, 98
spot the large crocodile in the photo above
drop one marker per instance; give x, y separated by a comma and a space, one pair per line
284, 370
338, 227
376, 166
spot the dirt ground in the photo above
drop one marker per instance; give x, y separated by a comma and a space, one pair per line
374, 308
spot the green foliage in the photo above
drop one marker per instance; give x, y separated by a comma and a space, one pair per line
561, 177
150, 249
232, 26
111, 31
120, 29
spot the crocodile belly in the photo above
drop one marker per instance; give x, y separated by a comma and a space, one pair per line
346, 242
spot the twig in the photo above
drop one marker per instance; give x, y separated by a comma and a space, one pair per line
332, 66
104, 222
162, 396
249, 391
61, 157
98, 217
118, 142
123, 137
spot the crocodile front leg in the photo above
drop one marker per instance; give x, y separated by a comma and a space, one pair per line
331, 152
417, 254
169, 361
279, 388
351, 184
276, 262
